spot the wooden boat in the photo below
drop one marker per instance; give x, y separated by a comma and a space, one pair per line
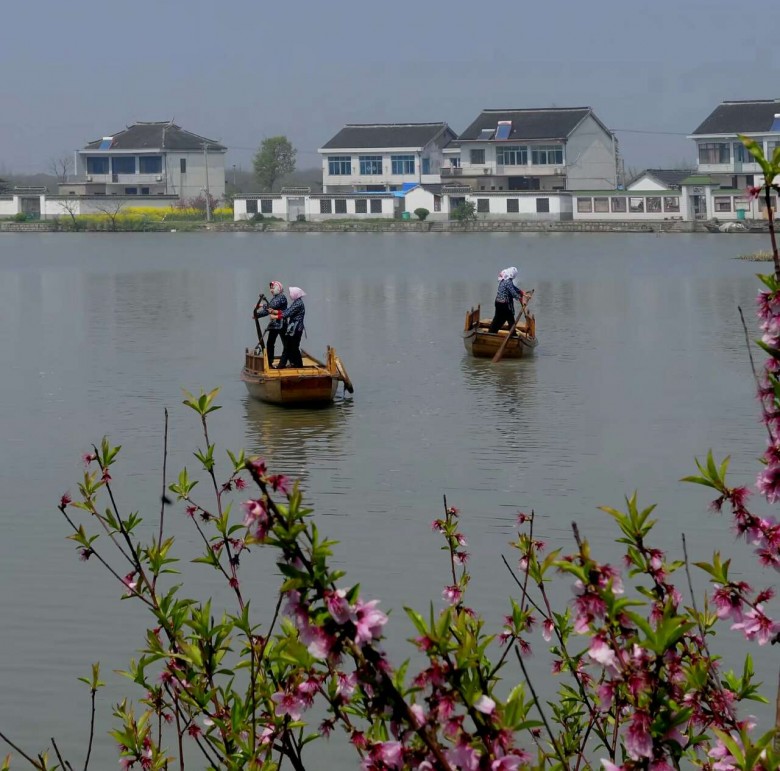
315, 383
483, 344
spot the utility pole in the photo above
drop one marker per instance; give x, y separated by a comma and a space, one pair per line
208, 195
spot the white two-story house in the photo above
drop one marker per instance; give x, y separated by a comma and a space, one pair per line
721, 154
375, 157
149, 159
557, 148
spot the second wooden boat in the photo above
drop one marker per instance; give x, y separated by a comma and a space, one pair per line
483, 344
315, 383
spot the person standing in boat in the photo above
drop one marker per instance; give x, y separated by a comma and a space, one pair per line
291, 335
506, 294
278, 302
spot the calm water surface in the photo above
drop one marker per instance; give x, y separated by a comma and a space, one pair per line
642, 365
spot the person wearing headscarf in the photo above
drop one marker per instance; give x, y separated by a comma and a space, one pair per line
291, 335
278, 302
506, 294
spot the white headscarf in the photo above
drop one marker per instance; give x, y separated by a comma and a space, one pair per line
507, 273
296, 292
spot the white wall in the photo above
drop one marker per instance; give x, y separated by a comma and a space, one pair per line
278, 207
590, 158
559, 205
314, 214
8, 207
646, 182
419, 198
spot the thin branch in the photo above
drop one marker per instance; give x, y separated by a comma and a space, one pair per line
557, 749
64, 763
32, 762
163, 497
91, 729
753, 367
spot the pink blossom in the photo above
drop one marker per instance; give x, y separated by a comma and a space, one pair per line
752, 192
346, 685
257, 465
547, 629
768, 483
288, 704
610, 766
757, 626
452, 594
88, 457
337, 605
485, 705
728, 601
391, 754
280, 483
660, 765
639, 743
606, 694
368, 621
130, 581
419, 714
507, 763
601, 652
463, 757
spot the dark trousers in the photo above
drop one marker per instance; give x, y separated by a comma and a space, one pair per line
292, 350
503, 314
271, 344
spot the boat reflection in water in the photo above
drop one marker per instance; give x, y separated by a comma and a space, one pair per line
299, 443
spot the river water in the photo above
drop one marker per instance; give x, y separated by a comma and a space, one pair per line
642, 366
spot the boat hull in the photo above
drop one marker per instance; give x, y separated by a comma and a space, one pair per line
314, 384
483, 344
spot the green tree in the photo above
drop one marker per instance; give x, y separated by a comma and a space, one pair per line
275, 159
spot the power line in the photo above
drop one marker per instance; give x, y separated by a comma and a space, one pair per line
642, 131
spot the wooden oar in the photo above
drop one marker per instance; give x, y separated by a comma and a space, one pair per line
260, 333
500, 351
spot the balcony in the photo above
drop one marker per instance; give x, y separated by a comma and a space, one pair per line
451, 171
126, 179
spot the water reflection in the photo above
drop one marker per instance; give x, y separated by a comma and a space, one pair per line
501, 389
298, 441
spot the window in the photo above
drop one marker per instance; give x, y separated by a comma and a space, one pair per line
455, 163
618, 204
722, 202
513, 205
131, 191
370, 164
547, 155
97, 164
742, 154
325, 206
361, 206
653, 204
477, 157
144, 191
426, 165
341, 205
340, 165
251, 206
123, 164
402, 164
671, 203
714, 152
542, 205
266, 206
601, 204
150, 164
512, 155
376, 206
182, 165
483, 205
584, 205
437, 203
636, 204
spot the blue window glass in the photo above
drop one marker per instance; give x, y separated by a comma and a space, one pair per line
402, 164
504, 127
123, 164
131, 191
105, 143
426, 165
340, 165
150, 164
97, 164
370, 164
547, 155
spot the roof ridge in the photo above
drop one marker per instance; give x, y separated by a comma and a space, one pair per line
532, 109
750, 101
423, 123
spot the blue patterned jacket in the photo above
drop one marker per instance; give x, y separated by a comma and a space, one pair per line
507, 292
294, 317
278, 302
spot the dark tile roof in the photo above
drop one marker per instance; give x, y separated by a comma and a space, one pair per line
406, 135
740, 117
163, 135
669, 177
542, 123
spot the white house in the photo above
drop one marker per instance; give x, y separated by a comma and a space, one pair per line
534, 149
294, 204
375, 157
659, 179
150, 159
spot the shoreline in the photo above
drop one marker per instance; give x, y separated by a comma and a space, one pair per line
374, 226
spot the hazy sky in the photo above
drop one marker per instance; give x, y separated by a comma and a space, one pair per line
239, 71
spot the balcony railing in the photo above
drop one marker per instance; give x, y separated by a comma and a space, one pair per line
126, 179
451, 171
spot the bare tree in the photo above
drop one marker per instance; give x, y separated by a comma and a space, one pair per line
112, 210
61, 167
72, 207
